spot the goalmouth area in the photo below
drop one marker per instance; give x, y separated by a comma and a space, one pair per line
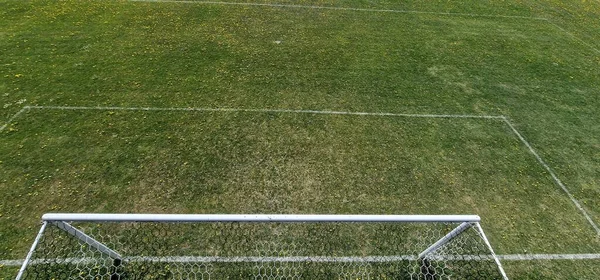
310, 107
175, 246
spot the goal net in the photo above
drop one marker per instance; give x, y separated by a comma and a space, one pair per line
146, 246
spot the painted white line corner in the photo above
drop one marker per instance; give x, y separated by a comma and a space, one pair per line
191, 109
554, 177
11, 119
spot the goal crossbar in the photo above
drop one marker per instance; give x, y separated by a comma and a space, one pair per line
196, 218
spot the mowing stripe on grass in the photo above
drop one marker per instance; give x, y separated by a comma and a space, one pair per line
275, 5
556, 180
11, 119
315, 259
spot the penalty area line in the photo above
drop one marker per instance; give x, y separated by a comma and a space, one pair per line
292, 111
553, 175
275, 5
325, 112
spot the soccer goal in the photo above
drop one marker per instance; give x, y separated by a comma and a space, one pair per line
165, 246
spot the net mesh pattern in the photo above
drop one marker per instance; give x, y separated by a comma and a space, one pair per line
233, 250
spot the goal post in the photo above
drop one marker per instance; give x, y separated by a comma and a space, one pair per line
260, 246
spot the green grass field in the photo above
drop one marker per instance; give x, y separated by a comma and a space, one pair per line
535, 62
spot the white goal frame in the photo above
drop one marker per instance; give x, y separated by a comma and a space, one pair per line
62, 221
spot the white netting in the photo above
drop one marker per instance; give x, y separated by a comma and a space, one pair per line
244, 250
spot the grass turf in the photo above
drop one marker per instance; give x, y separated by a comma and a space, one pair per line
179, 55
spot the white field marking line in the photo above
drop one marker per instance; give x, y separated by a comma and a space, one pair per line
533, 257
275, 5
573, 36
556, 180
9, 121
174, 109
375, 10
505, 119
322, 259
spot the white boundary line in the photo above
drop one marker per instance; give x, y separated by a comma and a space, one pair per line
318, 112
11, 119
188, 259
503, 118
573, 36
556, 180
534, 257
274, 5
374, 10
